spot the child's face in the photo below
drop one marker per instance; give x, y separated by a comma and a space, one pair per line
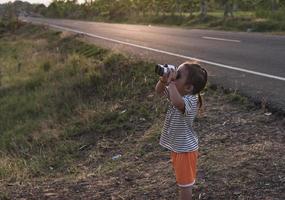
181, 80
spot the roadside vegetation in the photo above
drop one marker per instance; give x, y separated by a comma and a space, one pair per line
242, 15
65, 89
79, 121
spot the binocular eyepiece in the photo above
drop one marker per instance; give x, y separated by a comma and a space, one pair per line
163, 69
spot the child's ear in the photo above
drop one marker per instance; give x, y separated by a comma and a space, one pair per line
189, 89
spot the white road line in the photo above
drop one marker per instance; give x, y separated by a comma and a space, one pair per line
221, 39
173, 54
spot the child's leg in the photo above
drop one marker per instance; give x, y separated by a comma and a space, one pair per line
184, 165
185, 193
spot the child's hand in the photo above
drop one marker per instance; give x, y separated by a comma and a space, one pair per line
164, 78
172, 76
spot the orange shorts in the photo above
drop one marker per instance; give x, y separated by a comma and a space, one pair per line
184, 165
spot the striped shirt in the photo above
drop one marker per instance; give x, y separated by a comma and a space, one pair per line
177, 133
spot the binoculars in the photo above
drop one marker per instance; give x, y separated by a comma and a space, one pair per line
164, 69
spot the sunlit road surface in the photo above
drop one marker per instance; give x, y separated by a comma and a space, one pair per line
251, 63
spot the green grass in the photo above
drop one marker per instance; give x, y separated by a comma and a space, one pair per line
69, 107
236, 14
242, 21
259, 21
66, 94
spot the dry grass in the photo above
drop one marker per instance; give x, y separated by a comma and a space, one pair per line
68, 154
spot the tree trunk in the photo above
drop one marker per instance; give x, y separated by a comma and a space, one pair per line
191, 9
274, 5
203, 8
157, 9
228, 9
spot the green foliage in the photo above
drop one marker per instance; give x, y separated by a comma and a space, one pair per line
217, 14
236, 98
65, 91
276, 16
257, 15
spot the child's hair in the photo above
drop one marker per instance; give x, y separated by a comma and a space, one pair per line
197, 76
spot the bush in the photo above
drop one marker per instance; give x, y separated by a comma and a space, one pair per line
277, 15
267, 26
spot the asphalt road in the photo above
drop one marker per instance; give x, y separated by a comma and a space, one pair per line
251, 63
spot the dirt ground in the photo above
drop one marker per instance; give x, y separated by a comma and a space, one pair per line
241, 156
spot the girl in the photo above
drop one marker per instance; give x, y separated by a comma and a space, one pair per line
182, 88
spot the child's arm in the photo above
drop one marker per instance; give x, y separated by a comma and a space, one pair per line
175, 97
161, 84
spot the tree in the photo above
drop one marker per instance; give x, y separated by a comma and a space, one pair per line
228, 8
274, 5
39, 8
191, 6
120, 9
203, 8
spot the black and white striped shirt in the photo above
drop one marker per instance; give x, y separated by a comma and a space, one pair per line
177, 133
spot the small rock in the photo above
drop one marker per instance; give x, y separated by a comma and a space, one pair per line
116, 157
150, 96
128, 178
142, 119
122, 112
268, 113
237, 192
249, 30
50, 194
82, 147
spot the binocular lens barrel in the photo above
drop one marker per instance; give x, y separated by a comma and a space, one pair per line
159, 70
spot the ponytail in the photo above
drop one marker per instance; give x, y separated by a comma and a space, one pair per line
200, 100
